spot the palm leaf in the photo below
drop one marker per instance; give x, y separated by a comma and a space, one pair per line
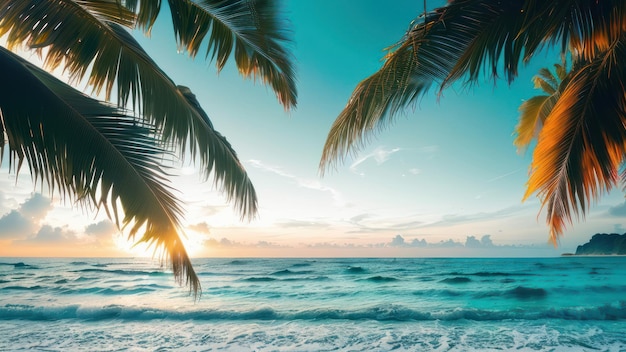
250, 28
78, 39
534, 111
106, 158
461, 41
448, 43
583, 142
147, 12
531, 120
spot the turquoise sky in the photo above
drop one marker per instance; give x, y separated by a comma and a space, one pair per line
443, 180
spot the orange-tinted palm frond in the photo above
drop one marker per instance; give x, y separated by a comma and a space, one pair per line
534, 111
531, 119
583, 141
463, 40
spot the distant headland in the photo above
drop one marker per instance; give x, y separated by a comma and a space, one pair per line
603, 244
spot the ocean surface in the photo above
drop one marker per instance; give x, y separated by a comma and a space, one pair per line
530, 304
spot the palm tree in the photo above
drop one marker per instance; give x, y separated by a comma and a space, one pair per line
582, 143
103, 155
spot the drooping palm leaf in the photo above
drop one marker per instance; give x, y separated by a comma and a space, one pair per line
94, 151
448, 43
249, 28
78, 39
147, 12
534, 111
531, 119
583, 142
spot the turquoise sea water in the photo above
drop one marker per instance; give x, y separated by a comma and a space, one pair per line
532, 304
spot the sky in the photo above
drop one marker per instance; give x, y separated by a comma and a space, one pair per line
443, 180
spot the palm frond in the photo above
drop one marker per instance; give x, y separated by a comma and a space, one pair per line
106, 158
147, 12
546, 80
534, 111
531, 120
463, 40
583, 141
450, 42
250, 29
78, 40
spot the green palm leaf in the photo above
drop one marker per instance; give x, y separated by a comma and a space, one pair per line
105, 158
77, 38
248, 28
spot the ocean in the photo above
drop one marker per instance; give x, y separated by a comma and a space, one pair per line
421, 304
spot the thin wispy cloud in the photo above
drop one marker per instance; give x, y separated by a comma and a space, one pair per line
503, 176
380, 155
300, 181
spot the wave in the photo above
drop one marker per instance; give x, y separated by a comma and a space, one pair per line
489, 274
355, 270
270, 279
19, 265
379, 278
238, 262
260, 279
291, 272
120, 272
376, 313
519, 292
299, 265
456, 280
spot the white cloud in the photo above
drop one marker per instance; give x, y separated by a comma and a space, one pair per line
201, 227
36, 207
25, 221
302, 182
503, 176
102, 229
380, 155
14, 225
53, 235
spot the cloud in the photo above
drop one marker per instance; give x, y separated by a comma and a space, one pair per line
380, 155
302, 182
618, 210
472, 242
24, 221
302, 224
102, 229
415, 171
14, 225
53, 235
201, 227
225, 242
503, 176
36, 207
397, 241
